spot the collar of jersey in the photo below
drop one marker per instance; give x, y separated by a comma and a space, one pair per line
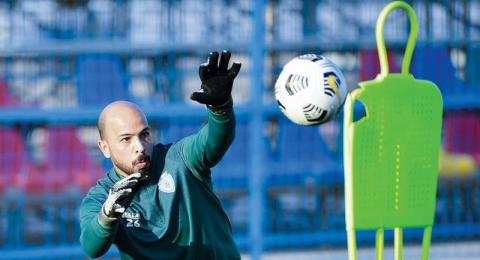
114, 176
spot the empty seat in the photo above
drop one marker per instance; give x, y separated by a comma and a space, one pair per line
101, 80
473, 63
434, 64
301, 152
462, 134
6, 99
15, 166
68, 163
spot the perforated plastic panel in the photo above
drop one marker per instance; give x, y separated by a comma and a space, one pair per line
393, 153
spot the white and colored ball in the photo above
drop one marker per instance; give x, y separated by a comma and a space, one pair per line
310, 90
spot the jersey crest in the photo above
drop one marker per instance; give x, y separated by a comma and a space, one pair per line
166, 183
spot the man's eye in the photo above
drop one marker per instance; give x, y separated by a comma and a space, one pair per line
146, 134
125, 139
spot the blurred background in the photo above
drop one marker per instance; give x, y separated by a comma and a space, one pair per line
281, 185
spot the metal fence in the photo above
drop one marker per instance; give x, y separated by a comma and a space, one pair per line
281, 184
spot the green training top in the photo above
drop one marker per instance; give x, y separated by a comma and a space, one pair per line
175, 215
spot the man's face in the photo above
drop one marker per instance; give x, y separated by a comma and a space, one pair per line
130, 146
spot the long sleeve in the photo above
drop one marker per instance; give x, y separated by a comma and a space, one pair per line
94, 238
203, 150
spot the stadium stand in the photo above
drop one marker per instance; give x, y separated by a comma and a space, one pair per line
58, 57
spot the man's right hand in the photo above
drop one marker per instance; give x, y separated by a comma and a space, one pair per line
217, 82
119, 198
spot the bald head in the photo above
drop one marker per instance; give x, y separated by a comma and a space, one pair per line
118, 112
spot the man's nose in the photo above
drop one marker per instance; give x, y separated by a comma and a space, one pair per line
139, 147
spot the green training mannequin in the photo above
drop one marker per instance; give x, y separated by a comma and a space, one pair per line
391, 155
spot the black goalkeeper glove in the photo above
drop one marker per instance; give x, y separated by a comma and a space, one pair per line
119, 198
217, 82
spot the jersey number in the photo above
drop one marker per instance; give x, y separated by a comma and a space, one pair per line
132, 222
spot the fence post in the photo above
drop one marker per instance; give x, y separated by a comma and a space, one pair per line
256, 171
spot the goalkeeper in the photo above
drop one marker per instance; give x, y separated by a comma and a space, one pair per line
157, 201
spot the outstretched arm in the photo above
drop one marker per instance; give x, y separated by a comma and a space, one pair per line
203, 150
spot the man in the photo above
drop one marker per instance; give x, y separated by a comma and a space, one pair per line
157, 201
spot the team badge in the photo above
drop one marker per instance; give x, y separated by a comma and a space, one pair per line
166, 183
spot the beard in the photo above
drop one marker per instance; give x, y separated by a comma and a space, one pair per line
141, 164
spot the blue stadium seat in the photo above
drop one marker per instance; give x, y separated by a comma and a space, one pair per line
302, 152
101, 80
434, 64
473, 65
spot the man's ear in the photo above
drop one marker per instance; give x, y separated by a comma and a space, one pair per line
104, 148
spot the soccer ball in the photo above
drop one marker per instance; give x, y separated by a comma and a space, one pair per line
310, 90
